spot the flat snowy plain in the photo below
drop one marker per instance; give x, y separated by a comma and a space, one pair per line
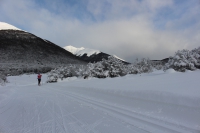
157, 102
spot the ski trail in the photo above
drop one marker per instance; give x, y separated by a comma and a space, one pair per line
91, 128
62, 116
62, 109
4, 105
59, 124
36, 116
126, 115
141, 130
110, 111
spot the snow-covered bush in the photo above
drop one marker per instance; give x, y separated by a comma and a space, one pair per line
158, 65
184, 60
64, 72
196, 55
105, 68
95, 70
112, 67
53, 76
143, 66
3, 79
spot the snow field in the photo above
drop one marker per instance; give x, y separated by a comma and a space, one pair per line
155, 102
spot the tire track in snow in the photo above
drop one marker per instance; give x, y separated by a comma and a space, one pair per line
91, 128
58, 117
52, 105
132, 116
141, 130
77, 126
5, 107
62, 116
37, 115
55, 124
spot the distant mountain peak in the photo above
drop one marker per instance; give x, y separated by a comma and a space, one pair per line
73, 49
90, 55
6, 26
81, 51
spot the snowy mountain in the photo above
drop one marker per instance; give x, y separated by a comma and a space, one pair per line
5, 26
22, 52
90, 55
73, 50
81, 51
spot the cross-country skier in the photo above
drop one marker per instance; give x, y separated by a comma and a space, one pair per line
39, 78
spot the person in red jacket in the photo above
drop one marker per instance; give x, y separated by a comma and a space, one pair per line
39, 78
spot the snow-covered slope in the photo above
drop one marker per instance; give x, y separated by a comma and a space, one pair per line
118, 58
6, 26
73, 50
158, 102
81, 51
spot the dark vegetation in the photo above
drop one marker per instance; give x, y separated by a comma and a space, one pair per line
22, 52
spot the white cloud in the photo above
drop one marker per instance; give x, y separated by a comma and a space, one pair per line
124, 27
156, 4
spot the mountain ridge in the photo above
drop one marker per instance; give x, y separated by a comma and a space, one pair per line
22, 52
90, 55
81, 51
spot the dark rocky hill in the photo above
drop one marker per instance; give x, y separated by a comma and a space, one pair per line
23, 52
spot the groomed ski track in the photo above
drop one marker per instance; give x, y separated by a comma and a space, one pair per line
57, 108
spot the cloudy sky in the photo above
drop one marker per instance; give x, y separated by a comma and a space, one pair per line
129, 29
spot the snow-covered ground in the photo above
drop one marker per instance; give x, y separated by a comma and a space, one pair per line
158, 102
